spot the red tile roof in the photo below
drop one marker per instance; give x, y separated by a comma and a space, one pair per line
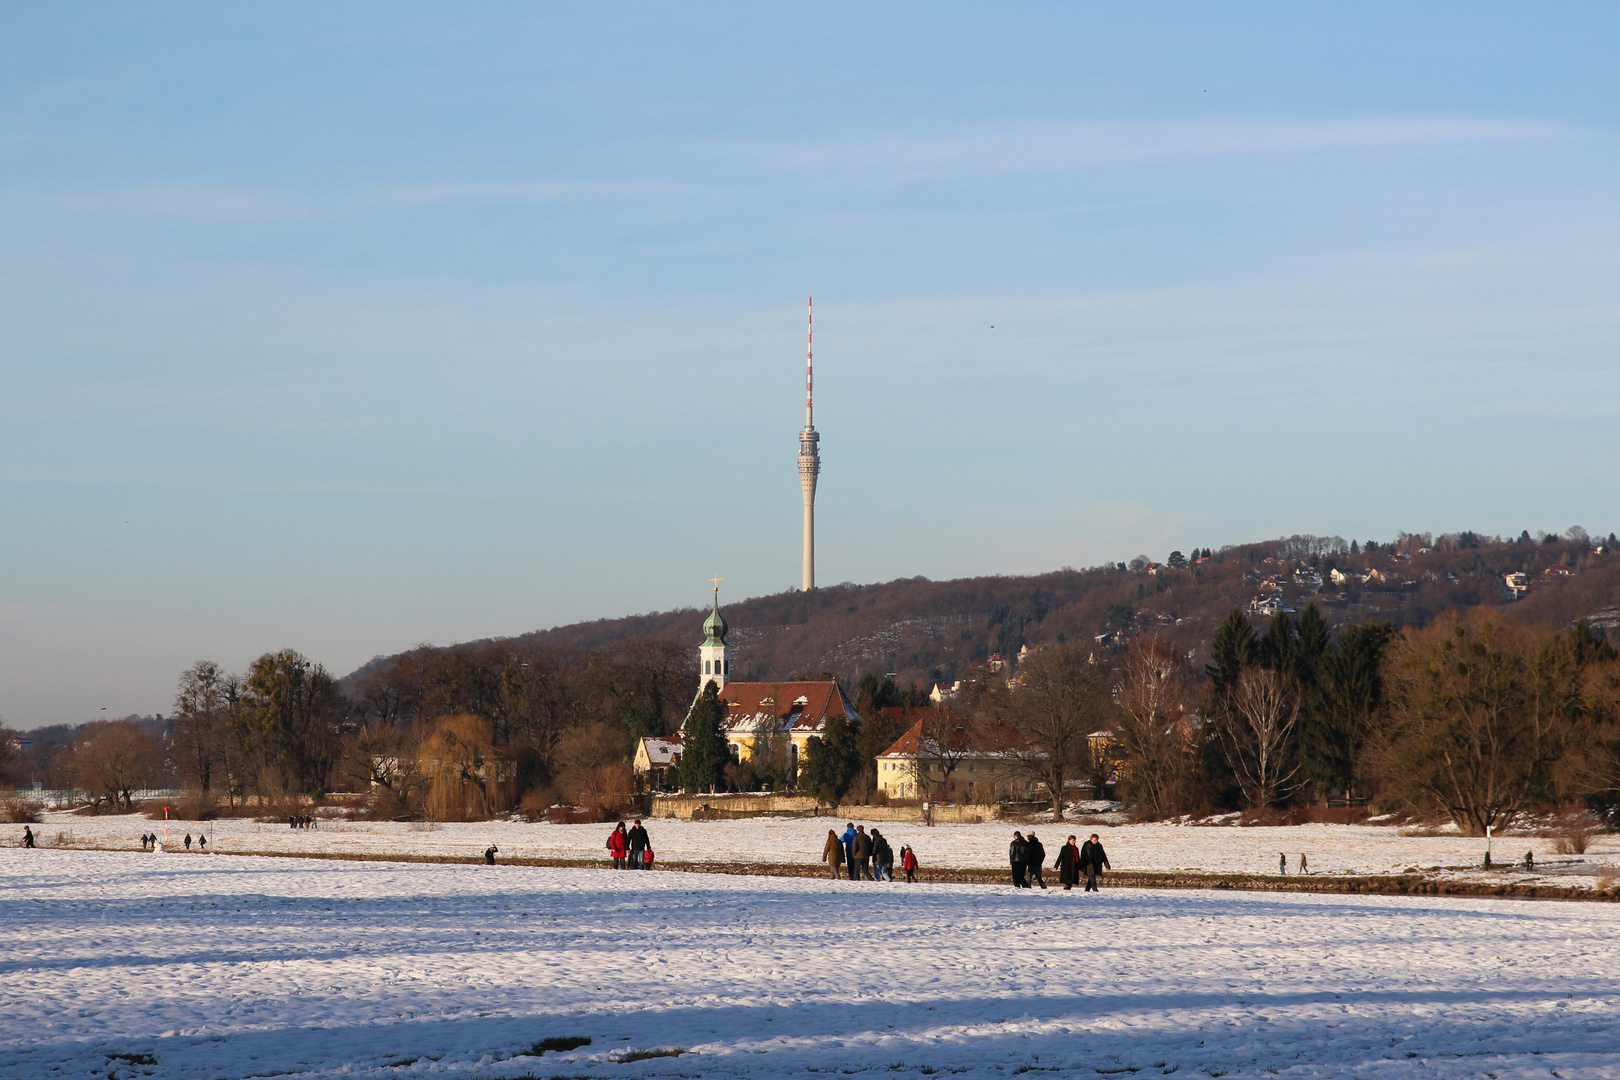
792, 707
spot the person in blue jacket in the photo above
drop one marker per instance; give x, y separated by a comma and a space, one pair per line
849, 849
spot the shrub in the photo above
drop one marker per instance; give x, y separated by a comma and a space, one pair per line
534, 805
1574, 834
192, 806
21, 812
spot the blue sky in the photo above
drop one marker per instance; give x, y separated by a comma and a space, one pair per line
348, 327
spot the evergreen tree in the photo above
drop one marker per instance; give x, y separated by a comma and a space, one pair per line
831, 760
1355, 548
704, 754
1312, 638
1232, 649
1279, 649
1340, 706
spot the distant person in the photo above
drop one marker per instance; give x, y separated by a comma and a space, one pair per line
1282, 863
202, 843
1068, 864
1304, 866
908, 863
489, 855
1093, 861
1034, 857
1529, 860
640, 846
832, 852
863, 855
188, 841
618, 846
849, 848
1017, 855
28, 837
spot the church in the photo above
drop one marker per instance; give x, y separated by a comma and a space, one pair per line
766, 717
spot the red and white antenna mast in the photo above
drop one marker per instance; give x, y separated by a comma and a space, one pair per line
809, 361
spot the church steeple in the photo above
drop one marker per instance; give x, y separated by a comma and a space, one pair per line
714, 665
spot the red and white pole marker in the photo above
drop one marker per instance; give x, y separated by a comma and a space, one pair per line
165, 828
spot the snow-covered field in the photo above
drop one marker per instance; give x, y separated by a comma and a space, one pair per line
125, 964
1330, 849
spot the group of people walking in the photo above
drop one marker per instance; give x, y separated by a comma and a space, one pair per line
300, 821
1027, 855
866, 855
630, 849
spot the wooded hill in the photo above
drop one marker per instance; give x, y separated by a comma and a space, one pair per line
931, 631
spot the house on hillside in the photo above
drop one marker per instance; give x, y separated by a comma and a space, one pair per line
1559, 572
1342, 578
1515, 585
657, 758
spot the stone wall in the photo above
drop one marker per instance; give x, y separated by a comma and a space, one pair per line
722, 807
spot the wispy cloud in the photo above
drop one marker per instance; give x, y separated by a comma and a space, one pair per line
693, 169
1069, 146
210, 204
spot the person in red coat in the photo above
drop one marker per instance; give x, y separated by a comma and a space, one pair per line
908, 863
618, 844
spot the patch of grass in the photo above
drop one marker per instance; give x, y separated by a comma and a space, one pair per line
560, 1043
644, 1055
134, 1059
402, 1062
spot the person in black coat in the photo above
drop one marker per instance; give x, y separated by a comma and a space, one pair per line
1034, 859
1018, 856
489, 855
1093, 861
639, 843
28, 836
1068, 865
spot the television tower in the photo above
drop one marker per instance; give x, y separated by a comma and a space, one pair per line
809, 454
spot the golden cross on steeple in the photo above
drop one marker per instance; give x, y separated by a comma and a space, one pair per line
717, 579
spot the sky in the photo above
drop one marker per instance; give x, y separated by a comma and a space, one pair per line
348, 327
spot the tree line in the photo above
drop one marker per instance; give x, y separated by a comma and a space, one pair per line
1473, 717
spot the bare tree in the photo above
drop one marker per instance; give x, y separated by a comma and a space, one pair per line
113, 760
1255, 723
1049, 713
944, 741
199, 721
385, 761
1483, 714
1150, 726
459, 761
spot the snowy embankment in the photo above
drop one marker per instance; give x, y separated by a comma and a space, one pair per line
1161, 848
127, 965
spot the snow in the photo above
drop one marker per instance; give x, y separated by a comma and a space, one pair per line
215, 967
1331, 849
